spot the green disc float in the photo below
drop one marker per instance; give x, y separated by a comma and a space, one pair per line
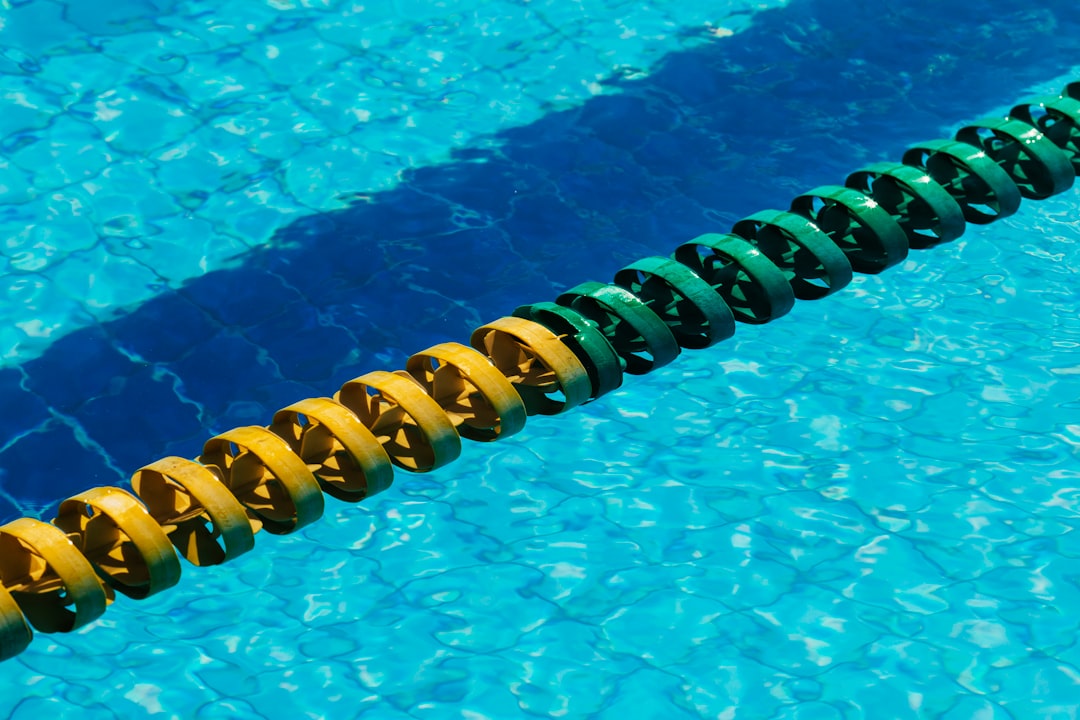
813, 264
755, 289
927, 212
1058, 118
480, 401
970, 176
584, 339
348, 461
697, 315
275, 486
1037, 166
641, 338
117, 535
547, 359
869, 237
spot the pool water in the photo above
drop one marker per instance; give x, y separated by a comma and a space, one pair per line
864, 509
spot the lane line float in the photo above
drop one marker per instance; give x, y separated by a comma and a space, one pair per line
545, 359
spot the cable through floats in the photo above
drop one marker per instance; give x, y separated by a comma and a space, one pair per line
544, 359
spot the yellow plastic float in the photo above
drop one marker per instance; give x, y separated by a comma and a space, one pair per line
204, 521
52, 582
414, 430
276, 487
536, 362
117, 535
347, 459
15, 634
477, 397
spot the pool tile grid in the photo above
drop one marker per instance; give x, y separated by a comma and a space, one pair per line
230, 129
896, 653
953, 572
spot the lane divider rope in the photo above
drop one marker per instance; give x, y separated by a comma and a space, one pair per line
544, 359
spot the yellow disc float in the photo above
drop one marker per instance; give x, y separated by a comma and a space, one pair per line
346, 458
15, 634
116, 533
54, 584
546, 373
204, 521
260, 469
478, 398
414, 430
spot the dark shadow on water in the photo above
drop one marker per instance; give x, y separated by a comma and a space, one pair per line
803, 97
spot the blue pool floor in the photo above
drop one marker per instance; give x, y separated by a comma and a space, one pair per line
869, 504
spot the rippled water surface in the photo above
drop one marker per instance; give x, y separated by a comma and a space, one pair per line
866, 509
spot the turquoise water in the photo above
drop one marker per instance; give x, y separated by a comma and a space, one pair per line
864, 509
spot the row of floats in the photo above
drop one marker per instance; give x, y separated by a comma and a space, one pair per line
546, 358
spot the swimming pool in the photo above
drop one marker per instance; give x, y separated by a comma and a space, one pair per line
866, 502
